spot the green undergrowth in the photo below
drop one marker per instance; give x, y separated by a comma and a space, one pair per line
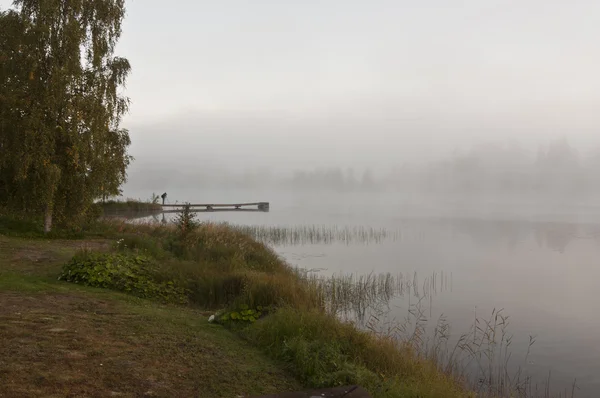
216, 266
129, 273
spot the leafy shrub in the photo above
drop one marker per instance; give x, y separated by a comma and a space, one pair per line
186, 220
125, 272
242, 314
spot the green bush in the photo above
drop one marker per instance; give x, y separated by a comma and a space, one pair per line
125, 272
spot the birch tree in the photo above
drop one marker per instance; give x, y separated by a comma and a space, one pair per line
61, 106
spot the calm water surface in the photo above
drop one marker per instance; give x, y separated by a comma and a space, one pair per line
538, 262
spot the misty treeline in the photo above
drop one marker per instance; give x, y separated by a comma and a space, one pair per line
555, 168
61, 144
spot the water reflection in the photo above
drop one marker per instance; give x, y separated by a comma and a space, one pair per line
554, 236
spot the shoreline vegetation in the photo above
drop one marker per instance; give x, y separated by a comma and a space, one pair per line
120, 207
287, 317
262, 300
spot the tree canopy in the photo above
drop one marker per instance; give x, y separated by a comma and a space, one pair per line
61, 106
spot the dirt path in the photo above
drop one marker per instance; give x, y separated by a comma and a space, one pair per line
42, 257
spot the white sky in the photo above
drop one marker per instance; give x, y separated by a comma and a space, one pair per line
458, 57
379, 77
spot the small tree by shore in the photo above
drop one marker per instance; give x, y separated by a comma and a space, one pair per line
186, 220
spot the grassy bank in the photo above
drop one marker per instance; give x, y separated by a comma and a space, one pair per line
278, 316
59, 339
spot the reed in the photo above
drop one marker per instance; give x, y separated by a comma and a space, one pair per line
480, 358
318, 234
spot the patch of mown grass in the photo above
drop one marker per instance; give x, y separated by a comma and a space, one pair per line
13, 281
42, 257
84, 342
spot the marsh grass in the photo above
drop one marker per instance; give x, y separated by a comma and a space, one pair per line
355, 297
318, 234
480, 358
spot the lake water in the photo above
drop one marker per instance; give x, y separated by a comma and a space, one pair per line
537, 261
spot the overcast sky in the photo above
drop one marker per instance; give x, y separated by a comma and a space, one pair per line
357, 81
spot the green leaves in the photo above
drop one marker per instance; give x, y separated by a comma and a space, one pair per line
243, 315
124, 272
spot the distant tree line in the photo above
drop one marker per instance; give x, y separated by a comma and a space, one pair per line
333, 179
556, 168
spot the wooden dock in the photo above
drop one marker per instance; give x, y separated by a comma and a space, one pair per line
208, 207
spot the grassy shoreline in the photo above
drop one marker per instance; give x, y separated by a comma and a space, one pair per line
269, 308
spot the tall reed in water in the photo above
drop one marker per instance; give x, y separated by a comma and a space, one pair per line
481, 356
318, 234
